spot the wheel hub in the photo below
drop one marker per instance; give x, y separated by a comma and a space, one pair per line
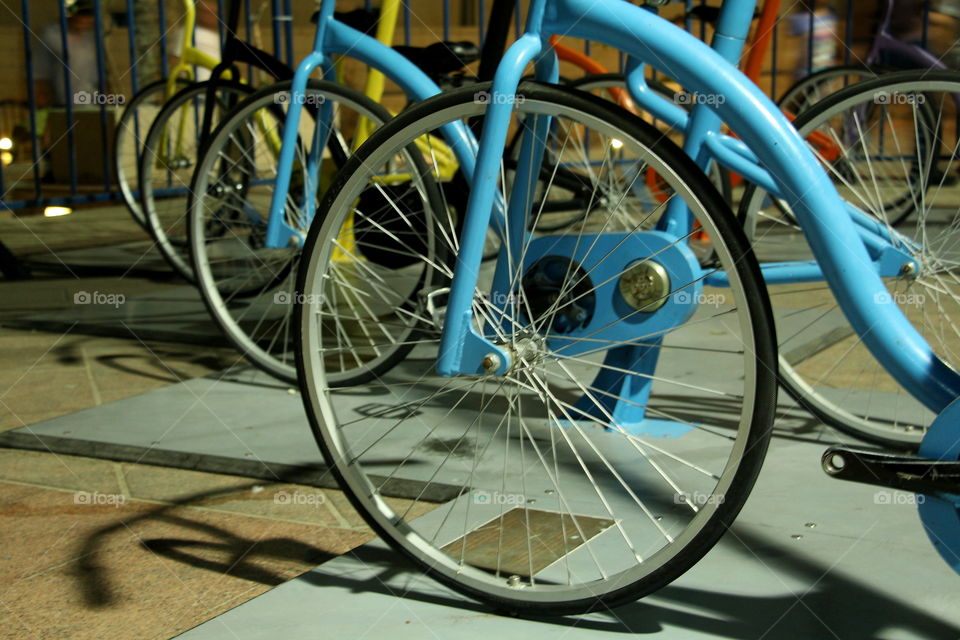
645, 286
559, 294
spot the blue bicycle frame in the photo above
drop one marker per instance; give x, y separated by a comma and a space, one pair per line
851, 250
333, 37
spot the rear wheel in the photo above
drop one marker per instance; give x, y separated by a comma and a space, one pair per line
811, 89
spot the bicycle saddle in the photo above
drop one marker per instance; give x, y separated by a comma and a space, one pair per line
441, 58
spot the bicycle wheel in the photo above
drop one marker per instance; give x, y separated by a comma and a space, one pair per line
169, 157
811, 89
131, 131
889, 136
591, 472
246, 286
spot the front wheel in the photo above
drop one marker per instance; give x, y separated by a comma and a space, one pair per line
169, 158
128, 141
246, 285
611, 456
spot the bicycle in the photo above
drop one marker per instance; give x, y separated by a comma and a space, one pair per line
246, 214
228, 227
507, 419
164, 180
149, 100
178, 133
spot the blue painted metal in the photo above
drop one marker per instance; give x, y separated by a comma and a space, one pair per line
532, 144
675, 116
461, 347
621, 399
940, 513
794, 271
333, 37
605, 257
833, 238
737, 156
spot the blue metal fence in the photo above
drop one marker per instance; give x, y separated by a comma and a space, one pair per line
27, 183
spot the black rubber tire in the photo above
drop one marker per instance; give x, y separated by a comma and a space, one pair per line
126, 186
169, 248
338, 154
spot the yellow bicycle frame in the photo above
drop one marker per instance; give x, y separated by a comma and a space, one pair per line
190, 57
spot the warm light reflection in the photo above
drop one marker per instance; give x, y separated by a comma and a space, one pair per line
53, 212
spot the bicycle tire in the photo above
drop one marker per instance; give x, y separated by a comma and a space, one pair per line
370, 494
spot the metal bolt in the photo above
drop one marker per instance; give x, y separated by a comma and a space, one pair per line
796, 536
490, 363
810, 525
645, 286
514, 581
907, 268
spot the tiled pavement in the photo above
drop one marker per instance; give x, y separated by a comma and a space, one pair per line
99, 549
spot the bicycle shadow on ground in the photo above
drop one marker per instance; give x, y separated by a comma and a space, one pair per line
834, 604
151, 360
234, 553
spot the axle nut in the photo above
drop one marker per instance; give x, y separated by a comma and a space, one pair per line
645, 286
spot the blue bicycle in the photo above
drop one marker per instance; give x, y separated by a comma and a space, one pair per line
258, 176
579, 421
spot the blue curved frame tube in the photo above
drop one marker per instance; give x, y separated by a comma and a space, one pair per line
833, 236
333, 37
